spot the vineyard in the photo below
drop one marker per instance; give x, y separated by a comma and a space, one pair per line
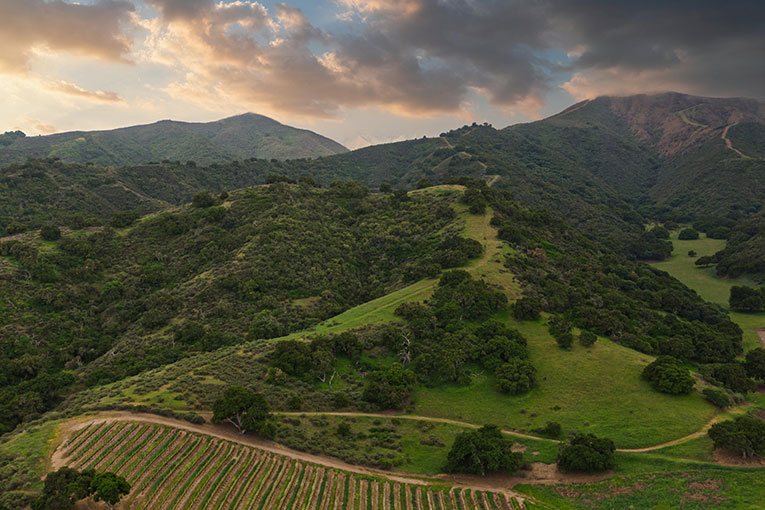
174, 468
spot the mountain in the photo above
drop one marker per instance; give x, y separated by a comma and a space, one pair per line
608, 165
235, 138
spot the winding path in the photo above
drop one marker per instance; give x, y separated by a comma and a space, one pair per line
509, 432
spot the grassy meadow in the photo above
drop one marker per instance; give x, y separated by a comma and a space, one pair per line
709, 286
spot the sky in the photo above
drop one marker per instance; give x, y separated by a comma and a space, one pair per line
362, 71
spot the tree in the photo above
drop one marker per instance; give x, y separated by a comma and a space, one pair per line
50, 233
586, 452
668, 375
202, 199
587, 338
481, 452
424, 183
692, 253
293, 357
746, 299
390, 388
109, 487
243, 408
733, 376
515, 377
688, 234
63, 488
755, 363
744, 436
385, 188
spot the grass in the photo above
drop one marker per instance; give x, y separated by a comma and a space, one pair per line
30, 448
595, 389
685, 488
710, 287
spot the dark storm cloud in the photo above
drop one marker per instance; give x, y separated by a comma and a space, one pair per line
708, 47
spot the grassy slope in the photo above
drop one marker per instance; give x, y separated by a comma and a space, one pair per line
600, 386
708, 286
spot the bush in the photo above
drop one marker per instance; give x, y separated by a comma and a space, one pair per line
586, 453
716, 397
565, 340
744, 436
551, 429
15, 227
123, 219
50, 233
481, 452
688, 234
527, 309
692, 253
668, 375
587, 338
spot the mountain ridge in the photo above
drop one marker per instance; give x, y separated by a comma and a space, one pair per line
238, 137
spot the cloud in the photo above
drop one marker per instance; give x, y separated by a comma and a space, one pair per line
419, 57
93, 30
697, 46
74, 90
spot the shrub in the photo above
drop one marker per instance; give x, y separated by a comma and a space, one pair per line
50, 233
744, 436
565, 340
481, 452
123, 219
587, 338
294, 403
692, 253
343, 429
668, 375
586, 453
716, 397
15, 227
688, 234
527, 309
551, 429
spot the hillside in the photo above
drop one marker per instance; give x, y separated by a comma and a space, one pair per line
235, 138
174, 309
594, 164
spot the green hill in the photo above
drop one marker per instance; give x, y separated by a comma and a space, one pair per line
234, 138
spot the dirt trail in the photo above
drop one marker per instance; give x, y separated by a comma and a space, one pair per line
729, 144
761, 334
416, 418
59, 458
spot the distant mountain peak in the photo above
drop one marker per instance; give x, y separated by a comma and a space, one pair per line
248, 135
671, 121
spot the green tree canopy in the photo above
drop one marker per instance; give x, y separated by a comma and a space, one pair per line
586, 452
481, 452
243, 408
